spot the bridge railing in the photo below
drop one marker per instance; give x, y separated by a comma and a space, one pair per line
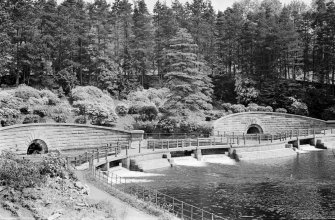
168, 203
174, 136
181, 143
246, 139
97, 154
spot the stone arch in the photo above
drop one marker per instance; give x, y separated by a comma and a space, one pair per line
254, 129
37, 146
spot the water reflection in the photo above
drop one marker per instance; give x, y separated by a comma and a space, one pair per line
299, 187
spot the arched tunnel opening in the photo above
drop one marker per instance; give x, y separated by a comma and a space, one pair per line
254, 129
37, 146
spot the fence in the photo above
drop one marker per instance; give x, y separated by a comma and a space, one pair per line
98, 154
170, 204
181, 143
243, 139
174, 135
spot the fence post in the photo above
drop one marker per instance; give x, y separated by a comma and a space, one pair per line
259, 138
197, 141
139, 146
168, 144
244, 139
177, 143
182, 210
173, 205
79, 160
212, 216
153, 149
98, 154
106, 153
238, 140
271, 138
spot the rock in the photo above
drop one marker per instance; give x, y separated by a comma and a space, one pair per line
81, 204
79, 185
2, 188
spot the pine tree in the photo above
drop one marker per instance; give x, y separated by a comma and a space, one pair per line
143, 41
165, 28
187, 75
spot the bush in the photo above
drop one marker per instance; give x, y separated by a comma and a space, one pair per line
238, 108
52, 98
25, 92
37, 101
31, 119
86, 93
59, 118
189, 126
147, 126
25, 110
168, 125
148, 113
205, 129
297, 107
101, 115
268, 109
80, 120
121, 109
281, 110
252, 107
41, 111
19, 173
53, 166
8, 116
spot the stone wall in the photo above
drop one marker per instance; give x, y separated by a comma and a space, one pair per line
62, 136
269, 122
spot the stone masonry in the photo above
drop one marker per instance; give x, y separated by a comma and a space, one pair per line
269, 122
63, 136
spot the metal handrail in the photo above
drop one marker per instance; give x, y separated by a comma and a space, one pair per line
168, 203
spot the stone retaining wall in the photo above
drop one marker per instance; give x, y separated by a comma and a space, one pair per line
269, 122
62, 136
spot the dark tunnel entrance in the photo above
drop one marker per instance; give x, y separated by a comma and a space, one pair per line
37, 146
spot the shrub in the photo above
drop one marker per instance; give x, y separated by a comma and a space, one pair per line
261, 108
52, 98
25, 110
281, 110
25, 92
59, 118
41, 111
31, 119
252, 107
205, 129
268, 109
80, 120
238, 108
148, 113
101, 115
298, 107
53, 166
168, 125
37, 101
8, 116
18, 173
86, 93
121, 109
147, 126
189, 126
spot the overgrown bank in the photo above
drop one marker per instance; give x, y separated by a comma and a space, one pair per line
45, 190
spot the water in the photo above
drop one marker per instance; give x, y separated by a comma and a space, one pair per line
297, 187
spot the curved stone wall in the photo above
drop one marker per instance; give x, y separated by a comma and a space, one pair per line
269, 122
62, 136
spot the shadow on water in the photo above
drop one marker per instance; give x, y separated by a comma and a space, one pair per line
286, 188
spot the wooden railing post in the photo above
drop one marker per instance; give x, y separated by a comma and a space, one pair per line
244, 139
86, 156
197, 141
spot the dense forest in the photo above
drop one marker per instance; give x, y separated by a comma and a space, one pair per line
264, 53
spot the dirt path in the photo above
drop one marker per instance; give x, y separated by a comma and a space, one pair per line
123, 210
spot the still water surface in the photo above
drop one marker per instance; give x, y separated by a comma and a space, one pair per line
297, 187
